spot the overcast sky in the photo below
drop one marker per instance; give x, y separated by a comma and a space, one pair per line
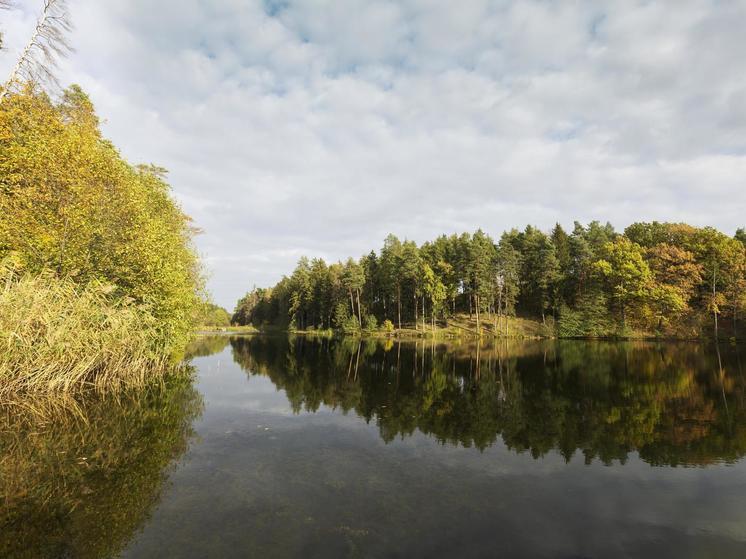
317, 127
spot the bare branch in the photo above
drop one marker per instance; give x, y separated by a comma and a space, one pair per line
47, 45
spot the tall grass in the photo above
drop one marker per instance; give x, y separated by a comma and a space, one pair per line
57, 336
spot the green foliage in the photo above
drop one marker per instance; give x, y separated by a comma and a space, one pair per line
213, 315
387, 326
351, 325
370, 322
589, 319
341, 315
627, 275
656, 279
71, 205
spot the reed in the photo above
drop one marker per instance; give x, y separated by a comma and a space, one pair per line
57, 336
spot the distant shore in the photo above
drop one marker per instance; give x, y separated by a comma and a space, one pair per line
457, 327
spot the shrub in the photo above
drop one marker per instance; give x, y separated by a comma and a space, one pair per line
370, 322
387, 326
351, 325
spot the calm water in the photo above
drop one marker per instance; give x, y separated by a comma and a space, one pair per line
300, 448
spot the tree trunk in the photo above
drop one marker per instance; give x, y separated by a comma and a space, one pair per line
714, 309
416, 326
398, 303
423, 313
476, 308
359, 311
735, 314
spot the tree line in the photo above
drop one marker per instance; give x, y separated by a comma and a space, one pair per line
665, 279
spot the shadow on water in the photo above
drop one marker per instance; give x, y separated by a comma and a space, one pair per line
79, 479
674, 404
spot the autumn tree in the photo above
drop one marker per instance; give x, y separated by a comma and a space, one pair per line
627, 274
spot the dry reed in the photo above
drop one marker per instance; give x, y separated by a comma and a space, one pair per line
57, 337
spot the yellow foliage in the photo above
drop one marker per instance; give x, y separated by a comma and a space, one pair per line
72, 205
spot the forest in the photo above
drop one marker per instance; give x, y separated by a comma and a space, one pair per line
652, 280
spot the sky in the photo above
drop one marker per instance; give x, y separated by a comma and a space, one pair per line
317, 127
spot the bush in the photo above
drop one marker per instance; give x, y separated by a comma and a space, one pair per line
371, 323
351, 325
387, 326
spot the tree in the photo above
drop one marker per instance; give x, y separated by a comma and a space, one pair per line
391, 262
508, 261
540, 271
480, 270
410, 273
711, 248
582, 257
48, 43
561, 242
354, 279
741, 236
734, 273
626, 272
677, 276
665, 286
301, 290
435, 291
70, 204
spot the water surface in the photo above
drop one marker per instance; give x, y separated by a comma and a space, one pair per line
300, 448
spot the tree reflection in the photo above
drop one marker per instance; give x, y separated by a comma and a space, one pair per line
77, 480
674, 404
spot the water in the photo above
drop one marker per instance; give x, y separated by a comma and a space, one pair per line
301, 448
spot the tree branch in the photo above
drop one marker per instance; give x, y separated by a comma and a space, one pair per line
47, 44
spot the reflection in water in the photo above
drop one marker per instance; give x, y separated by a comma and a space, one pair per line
673, 403
203, 346
264, 482
79, 481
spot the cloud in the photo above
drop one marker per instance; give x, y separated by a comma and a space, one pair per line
318, 127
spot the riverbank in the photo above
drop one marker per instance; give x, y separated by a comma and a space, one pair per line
225, 330
462, 326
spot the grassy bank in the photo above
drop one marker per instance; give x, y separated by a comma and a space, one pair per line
462, 326
458, 326
58, 336
218, 330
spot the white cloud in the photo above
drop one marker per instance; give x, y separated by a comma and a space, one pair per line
318, 126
